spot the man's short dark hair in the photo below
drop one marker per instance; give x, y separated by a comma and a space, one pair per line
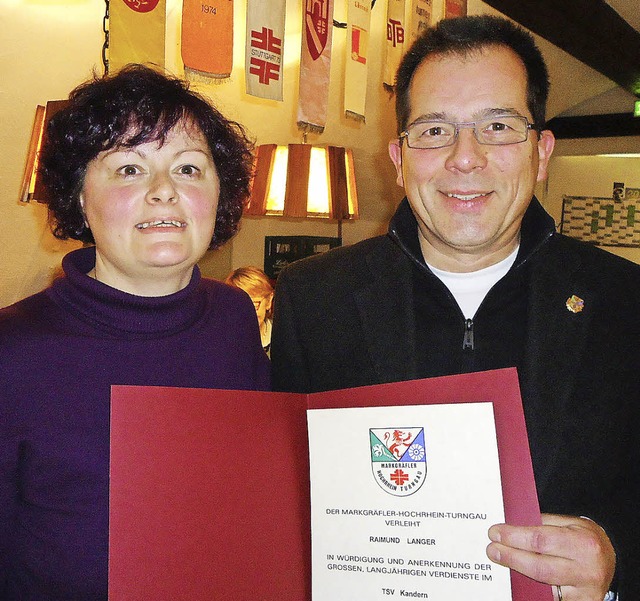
466, 35
135, 106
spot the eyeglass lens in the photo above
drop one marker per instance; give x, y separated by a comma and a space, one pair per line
510, 129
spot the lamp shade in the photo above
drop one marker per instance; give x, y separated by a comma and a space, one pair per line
32, 187
301, 180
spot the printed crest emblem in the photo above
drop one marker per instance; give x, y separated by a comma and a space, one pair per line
317, 26
398, 459
141, 6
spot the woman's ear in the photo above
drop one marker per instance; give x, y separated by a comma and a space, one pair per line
84, 215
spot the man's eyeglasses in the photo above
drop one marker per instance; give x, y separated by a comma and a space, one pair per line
494, 131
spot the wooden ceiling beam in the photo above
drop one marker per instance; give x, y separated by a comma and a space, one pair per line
589, 30
595, 126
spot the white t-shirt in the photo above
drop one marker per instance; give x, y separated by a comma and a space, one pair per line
469, 289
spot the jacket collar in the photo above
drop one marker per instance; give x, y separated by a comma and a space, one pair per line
537, 227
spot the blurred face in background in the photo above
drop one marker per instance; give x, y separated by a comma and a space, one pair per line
262, 305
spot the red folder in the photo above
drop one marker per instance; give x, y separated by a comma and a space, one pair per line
209, 493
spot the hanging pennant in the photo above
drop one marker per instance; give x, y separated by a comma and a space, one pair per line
356, 69
264, 48
315, 65
437, 11
420, 18
136, 32
207, 39
455, 8
396, 28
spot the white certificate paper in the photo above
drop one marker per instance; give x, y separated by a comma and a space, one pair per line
401, 501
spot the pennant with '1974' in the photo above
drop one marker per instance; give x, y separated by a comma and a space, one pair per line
207, 39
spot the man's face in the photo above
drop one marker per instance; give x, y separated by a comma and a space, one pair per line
469, 198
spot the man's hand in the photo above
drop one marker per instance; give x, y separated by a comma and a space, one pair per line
574, 553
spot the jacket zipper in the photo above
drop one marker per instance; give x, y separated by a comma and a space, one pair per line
467, 341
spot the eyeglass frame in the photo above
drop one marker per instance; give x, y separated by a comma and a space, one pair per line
258, 303
466, 125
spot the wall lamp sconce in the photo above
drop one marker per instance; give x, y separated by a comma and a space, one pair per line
32, 187
301, 180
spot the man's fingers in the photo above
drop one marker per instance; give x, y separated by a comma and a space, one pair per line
558, 540
549, 569
567, 551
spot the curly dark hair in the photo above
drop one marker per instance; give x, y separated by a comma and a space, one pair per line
464, 35
135, 106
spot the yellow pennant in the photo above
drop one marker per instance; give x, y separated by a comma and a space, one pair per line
136, 32
396, 31
356, 67
420, 18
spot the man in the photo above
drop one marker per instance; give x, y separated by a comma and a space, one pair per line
472, 276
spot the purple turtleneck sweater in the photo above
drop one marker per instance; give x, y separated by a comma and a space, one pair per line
60, 351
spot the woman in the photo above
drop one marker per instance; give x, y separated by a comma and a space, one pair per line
152, 175
257, 285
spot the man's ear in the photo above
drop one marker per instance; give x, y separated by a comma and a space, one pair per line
395, 152
546, 142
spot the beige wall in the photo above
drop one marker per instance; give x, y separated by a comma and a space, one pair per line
49, 46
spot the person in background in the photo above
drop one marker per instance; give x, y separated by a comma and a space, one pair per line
149, 175
257, 285
472, 276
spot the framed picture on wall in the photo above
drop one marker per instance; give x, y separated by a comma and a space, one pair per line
603, 221
280, 251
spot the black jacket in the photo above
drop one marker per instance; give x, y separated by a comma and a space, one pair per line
348, 318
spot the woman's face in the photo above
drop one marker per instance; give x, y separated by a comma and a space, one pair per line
151, 210
262, 305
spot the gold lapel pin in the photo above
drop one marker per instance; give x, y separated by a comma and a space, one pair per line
575, 304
